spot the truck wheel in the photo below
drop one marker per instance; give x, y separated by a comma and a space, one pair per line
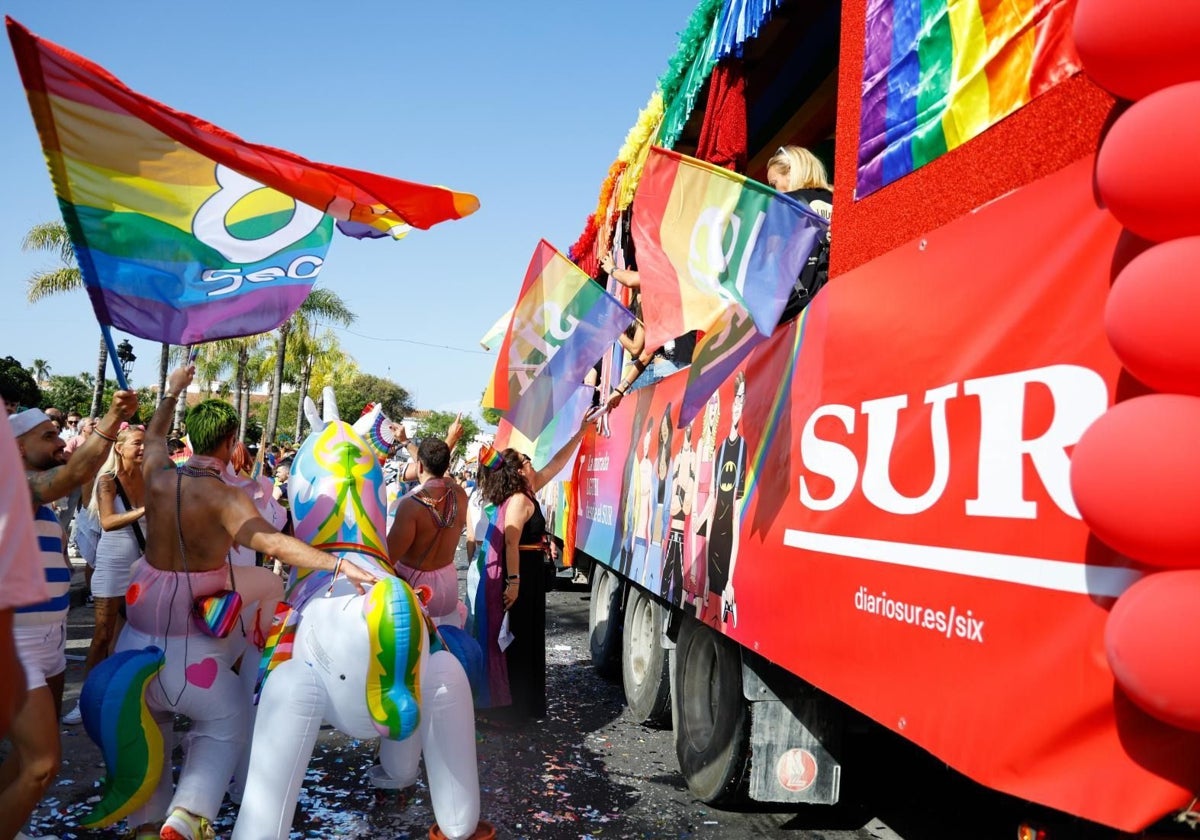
604, 621
644, 662
712, 722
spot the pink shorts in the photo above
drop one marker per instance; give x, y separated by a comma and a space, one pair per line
159, 603
442, 582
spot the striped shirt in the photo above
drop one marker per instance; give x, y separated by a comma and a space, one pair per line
58, 574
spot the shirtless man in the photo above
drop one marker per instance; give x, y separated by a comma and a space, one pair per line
424, 534
40, 629
193, 519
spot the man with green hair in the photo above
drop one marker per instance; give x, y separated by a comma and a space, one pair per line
193, 518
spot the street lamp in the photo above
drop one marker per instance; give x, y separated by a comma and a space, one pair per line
125, 357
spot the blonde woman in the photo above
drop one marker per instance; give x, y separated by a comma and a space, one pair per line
118, 504
799, 173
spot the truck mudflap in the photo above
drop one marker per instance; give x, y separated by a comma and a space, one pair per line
793, 738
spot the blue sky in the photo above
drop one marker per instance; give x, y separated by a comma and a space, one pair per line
524, 104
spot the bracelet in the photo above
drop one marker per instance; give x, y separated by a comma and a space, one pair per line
513, 577
112, 439
170, 397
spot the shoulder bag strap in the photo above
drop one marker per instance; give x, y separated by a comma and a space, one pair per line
137, 529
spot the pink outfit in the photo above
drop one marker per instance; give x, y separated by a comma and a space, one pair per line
159, 603
442, 582
20, 569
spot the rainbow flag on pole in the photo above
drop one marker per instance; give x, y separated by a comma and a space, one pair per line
562, 323
176, 237
938, 72
717, 355
708, 239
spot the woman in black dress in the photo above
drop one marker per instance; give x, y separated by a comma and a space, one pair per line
523, 595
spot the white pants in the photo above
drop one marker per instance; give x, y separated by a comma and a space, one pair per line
197, 682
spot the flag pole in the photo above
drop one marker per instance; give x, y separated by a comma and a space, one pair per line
112, 355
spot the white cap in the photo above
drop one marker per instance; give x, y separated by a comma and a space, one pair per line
25, 421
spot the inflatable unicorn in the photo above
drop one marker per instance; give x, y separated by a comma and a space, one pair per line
371, 665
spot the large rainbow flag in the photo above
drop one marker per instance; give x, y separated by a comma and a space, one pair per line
183, 231
938, 72
707, 239
562, 323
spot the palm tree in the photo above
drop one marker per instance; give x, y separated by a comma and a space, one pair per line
320, 305
41, 371
53, 236
322, 362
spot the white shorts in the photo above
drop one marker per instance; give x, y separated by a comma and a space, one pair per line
42, 649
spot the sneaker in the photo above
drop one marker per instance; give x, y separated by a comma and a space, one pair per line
184, 825
73, 717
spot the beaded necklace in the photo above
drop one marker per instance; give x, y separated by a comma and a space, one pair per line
431, 504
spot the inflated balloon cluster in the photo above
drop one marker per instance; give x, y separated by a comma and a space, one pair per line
1136, 472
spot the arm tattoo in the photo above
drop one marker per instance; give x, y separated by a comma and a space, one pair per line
40, 484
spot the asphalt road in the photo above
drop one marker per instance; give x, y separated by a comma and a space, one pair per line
588, 771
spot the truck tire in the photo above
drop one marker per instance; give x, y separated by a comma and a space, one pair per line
604, 622
644, 662
712, 722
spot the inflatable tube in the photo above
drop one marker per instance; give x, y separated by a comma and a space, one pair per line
466, 650
117, 719
448, 733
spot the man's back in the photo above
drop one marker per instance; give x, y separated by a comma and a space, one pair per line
205, 503
427, 525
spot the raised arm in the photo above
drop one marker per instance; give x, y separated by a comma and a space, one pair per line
85, 462
157, 457
555, 464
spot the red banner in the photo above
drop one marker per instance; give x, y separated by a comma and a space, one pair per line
883, 506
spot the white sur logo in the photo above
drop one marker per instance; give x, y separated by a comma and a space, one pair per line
710, 252
208, 225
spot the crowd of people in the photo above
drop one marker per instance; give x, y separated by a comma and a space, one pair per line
165, 519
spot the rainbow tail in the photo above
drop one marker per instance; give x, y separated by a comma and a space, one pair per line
116, 717
280, 642
395, 627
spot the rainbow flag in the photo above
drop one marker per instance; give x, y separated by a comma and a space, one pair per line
562, 323
541, 448
176, 237
718, 353
938, 72
707, 239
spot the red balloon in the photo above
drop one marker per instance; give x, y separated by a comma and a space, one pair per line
1153, 317
1135, 475
1133, 49
1146, 170
1150, 638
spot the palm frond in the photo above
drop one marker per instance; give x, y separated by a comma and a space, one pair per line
54, 282
50, 236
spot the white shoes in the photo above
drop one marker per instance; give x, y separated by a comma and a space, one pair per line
73, 717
